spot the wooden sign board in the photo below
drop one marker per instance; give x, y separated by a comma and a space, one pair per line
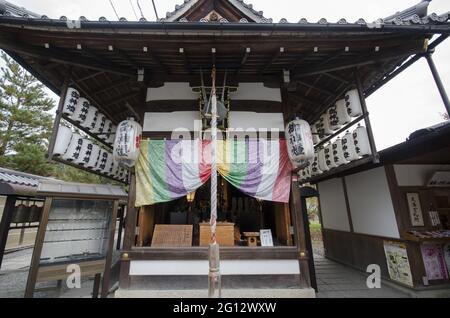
415, 209
166, 235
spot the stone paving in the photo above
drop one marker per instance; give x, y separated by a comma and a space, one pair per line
338, 281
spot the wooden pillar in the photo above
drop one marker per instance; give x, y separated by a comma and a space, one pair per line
119, 230
376, 158
107, 270
129, 235
439, 83
59, 111
300, 235
5, 224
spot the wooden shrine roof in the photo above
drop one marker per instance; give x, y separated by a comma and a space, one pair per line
104, 56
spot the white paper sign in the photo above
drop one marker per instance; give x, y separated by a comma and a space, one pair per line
266, 237
415, 210
434, 217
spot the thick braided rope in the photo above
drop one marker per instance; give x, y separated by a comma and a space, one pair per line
213, 221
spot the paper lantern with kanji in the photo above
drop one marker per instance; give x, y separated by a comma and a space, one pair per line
91, 118
338, 153
85, 153
305, 173
95, 155
342, 113
71, 101
102, 160
329, 156
325, 125
322, 161
81, 111
74, 150
348, 146
361, 140
299, 142
127, 142
315, 169
353, 103
99, 124
333, 118
315, 134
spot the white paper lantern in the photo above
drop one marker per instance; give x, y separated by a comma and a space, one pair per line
329, 156
108, 165
361, 140
121, 172
91, 118
333, 118
315, 135
62, 141
74, 149
106, 130
325, 125
305, 173
342, 114
299, 142
85, 153
338, 153
102, 160
353, 103
127, 142
71, 101
348, 146
322, 161
112, 135
319, 130
81, 110
95, 155
99, 124
315, 169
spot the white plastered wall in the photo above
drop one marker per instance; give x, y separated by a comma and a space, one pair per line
332, 205
371, 203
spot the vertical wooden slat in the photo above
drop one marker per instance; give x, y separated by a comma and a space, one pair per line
35, 259
299, 234
8, 211
107, 270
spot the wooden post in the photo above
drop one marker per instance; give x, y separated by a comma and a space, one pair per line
439, 83
5, 224
300, 235
35, 259
107, 270
119, 230
96, 287
59, 111
129, 235
360, 88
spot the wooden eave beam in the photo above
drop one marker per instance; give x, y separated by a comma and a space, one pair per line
315, 87
113, 85
372, 59
121, 99
51, 55
273, 59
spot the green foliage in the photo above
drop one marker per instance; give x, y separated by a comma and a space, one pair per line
26, 125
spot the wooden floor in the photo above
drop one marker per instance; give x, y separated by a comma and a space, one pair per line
338, 281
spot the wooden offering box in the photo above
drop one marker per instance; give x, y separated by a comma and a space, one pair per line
224, 232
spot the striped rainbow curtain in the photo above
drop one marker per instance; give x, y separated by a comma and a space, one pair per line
170, 169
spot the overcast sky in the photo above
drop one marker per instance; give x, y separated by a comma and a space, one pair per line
409, 102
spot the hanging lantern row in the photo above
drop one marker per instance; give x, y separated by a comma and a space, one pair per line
299, 142
81, 111
338, 115
352, 146
74, 148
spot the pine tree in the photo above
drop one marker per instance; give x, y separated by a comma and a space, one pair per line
25, 119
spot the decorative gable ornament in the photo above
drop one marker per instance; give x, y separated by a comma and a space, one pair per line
127, 142
353, 103
299, 142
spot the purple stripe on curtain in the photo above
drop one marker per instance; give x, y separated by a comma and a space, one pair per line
254, 168
174, 175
